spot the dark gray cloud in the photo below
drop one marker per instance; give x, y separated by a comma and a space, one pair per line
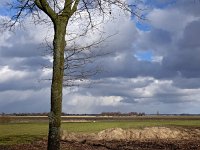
184, 57
21, 50
30, 81
191, 35
187, 83
167, 81
25, 101
191, 7
175, 40
160, 37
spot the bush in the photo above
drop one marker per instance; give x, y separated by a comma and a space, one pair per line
5, 119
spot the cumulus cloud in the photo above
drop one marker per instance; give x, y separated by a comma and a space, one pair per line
14, 101
165, 81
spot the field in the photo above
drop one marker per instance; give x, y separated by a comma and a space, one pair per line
24, 130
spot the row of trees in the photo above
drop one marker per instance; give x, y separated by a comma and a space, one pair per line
122, 114
66, 114
25, 114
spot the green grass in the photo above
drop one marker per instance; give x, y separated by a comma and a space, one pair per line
21, 132
92, 127
15, 133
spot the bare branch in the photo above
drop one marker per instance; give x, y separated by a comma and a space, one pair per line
22, 8
74, 7
44, 6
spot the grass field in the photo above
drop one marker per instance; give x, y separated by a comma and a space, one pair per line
14, 133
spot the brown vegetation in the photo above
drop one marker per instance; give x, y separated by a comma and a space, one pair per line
148, 133
154, 138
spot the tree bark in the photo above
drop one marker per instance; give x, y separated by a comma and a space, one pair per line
59, 44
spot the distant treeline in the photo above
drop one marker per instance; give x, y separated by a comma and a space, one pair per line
101, 114
122, 114
24, 114
66, 114
174, 114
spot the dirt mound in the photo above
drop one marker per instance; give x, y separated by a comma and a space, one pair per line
141, 134
154, 138
134, 134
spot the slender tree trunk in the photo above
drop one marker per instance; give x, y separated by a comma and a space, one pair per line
59, 44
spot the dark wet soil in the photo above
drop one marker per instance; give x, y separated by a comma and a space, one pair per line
113, 145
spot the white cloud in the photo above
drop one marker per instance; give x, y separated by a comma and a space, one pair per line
87, 104
142, 94
170, 19
25, 101
127, 85
8, 74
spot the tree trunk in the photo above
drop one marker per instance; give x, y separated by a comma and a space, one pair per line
59, 44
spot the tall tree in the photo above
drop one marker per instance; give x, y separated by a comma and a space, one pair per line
61, 13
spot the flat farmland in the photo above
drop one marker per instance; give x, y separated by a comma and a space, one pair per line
18, 130
28, 119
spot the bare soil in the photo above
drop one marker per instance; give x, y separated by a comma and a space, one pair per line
154, 138
150, 133
113, 145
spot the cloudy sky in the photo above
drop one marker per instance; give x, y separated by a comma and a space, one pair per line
154, 64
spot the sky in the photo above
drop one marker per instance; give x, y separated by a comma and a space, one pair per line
154, 64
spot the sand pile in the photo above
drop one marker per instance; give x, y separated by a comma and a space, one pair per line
134, 134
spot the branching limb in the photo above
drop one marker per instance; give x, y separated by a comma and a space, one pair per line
44, 6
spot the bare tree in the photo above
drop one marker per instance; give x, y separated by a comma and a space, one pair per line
66, 60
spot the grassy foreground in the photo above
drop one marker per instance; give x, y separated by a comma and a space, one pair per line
15, 133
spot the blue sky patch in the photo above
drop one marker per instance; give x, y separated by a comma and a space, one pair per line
3, 11
144, 55
143, 26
